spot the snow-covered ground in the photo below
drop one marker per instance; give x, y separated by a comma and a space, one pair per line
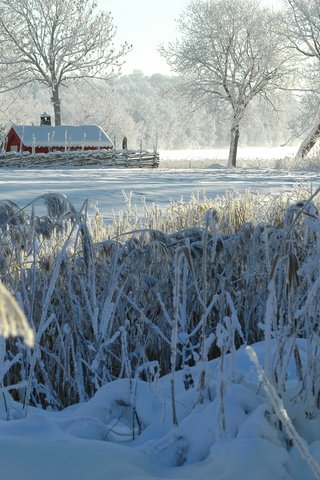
94, 441
105, 187
232, 435
259, 156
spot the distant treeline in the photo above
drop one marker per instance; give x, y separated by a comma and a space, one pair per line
148, 109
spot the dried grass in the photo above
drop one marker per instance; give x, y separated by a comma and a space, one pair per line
108, 301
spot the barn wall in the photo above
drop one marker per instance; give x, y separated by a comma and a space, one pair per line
13, 141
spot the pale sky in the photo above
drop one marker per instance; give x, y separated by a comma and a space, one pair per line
146, 24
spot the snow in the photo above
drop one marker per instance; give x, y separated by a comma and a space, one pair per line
105, 187
126, 431
94, 440
63, 135
259, 154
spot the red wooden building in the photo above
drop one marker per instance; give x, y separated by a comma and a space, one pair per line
46, 138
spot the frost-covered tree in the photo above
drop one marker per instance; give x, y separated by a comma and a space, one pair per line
54, 42
101, 104
303, 34
228, 51
162, 116
148, 109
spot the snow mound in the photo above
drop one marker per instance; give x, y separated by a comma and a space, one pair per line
127, 431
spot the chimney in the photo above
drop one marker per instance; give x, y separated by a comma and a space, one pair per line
45, 119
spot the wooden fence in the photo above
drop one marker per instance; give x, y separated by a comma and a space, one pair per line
100, 158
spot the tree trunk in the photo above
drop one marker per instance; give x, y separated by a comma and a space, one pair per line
56, 102
234, 139
309, 142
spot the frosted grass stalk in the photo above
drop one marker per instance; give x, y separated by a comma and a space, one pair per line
235, 327
174, 334
12, 319
205, 301
267, 327
283, 416
44, 322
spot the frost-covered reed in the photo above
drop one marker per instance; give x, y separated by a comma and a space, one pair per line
144, 296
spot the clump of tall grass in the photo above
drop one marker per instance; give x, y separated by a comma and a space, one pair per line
159, 292
233, 209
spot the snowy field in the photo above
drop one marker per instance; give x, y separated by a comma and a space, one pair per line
126, 431
247, 156
181, 174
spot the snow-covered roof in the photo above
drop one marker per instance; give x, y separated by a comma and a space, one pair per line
63, 135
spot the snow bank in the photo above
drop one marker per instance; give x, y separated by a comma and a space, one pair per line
125, 431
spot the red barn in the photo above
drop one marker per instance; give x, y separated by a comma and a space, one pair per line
46, 138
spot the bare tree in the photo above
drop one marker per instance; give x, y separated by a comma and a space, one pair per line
54, 42
303, 34
230, 51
